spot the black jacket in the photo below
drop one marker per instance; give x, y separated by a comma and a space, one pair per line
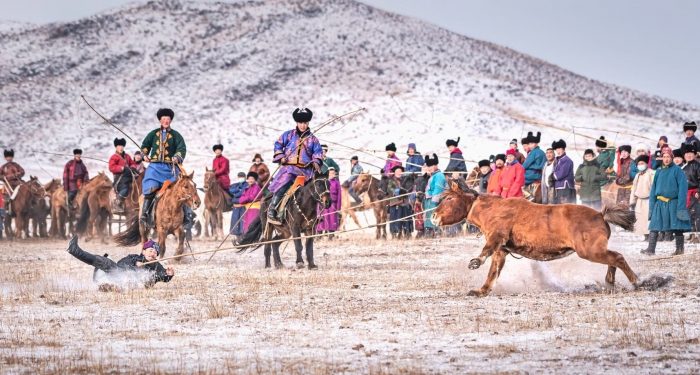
156, 269
692, 173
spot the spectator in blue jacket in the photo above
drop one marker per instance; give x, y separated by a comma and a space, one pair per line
237, 210
415, 159
534, 164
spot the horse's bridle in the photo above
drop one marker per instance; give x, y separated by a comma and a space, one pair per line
318, 195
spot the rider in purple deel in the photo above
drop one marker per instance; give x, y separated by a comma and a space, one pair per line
299, 154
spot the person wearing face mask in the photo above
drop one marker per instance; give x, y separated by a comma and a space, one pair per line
260, 169
155, 272
589, 175
236, 191
494, 187
639, 199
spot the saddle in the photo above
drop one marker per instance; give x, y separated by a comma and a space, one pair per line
299, 181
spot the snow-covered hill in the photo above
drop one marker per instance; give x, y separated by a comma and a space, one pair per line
228, 69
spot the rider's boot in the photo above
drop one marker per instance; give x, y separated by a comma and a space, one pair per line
146, 209
272, 209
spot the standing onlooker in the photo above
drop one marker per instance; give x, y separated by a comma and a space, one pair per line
329, 217
398, 207
419, 187
328, 162
456, 163
547, 188
512, 178
624, 179
589, 176
563, 175
606, 157
691, 168
415, 161
639, 200
485, 169
494, 187
667, 204
518, 155
237, 210
689, 128
391, 159
434, 190
251, 199
534, 163
656, 160
2, 207
642, 149
261, 169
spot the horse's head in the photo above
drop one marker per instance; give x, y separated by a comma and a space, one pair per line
36, 189
52, 186
454, 207
186, 190
321, 191
362, 183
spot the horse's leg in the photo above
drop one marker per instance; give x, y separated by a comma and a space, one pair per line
310, 253
162, 236
493, 243
497, 261
268, 252
598, 252
206, 222
180, 241
354, 218
19, 225
276, 255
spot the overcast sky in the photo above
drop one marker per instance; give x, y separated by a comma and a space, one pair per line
650, 45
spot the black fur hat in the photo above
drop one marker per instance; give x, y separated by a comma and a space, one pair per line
484, 163
524, 141
9, 153
559, 144
452, 142
588, 152
218, 146
678, 153
429, 162
252, 174
531, 138
690, 125
644, 158
302, 115
501, 157
77, 151
390, 147
627, 148
119, 142
165, 112
354, 157
689, 148
601, 142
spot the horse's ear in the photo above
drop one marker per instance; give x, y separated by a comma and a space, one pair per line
191, 175
455, 187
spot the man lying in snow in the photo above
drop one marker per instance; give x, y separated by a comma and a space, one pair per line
129, 269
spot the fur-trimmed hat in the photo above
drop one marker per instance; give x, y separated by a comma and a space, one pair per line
390, 147
524, 141
398, 167
302, 115
644, 158
257, 156
531, 138
252, 174
119, 142
430, 161
150, 244
484, 163
452, 142
9, 153
501, 157
77, 151
601, 142
677, 153
217, 146
689, 148
165, 112
690, 125
588, 152
627, 148
559, 144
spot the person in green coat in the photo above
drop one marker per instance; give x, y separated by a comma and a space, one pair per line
328, 162
606, 158
589, 175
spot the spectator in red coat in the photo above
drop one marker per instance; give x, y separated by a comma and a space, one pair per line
123, 168
221, 168
75, 174
512, 178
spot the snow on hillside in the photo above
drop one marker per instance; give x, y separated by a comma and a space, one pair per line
233, 70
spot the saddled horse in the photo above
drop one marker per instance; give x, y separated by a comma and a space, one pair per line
169, 215
27, 197
301, 216
216, 202
366, 183
534, 231
94, 208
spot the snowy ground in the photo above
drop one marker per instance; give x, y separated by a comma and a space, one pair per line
372, 307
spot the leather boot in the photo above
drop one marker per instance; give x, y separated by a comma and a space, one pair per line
651, 249
146, 209
272, 209
680, 244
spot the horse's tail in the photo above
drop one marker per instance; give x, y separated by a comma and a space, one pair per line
83, 215
132, 235
252, 235
619, 215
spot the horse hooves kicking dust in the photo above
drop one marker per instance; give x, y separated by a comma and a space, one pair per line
655, 282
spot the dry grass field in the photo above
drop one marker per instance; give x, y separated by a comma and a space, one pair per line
372, 307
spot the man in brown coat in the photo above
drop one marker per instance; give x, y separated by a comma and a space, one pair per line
11, 173
261, 169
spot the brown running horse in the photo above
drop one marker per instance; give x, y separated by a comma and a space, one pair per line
538, 232
28, 195
215, 204
365, 183
169, 216
94, 208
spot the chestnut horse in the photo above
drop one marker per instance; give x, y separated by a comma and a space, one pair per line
215, 204
94, 207
42, 209
348, 206
365, 183
169, 216
59, 213
538, 232
26, 198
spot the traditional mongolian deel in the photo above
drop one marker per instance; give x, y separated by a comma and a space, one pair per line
667, 200
299, 151
162, 146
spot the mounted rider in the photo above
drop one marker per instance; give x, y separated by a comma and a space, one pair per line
299, 153
11, 174
221, 167
123, 169
164, 148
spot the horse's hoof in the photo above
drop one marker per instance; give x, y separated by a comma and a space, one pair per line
475, 293
268, 266
300, 265
313, 267
474, 264
279, 266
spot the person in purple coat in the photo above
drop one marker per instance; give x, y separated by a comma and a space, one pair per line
251, 199
328, 219
563, 175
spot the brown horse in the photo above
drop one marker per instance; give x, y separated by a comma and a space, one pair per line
27, 197
348, 207
538, 232
365, 183
169, 216
42, 209
94, 207
215, 204
131, 203
59, 213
